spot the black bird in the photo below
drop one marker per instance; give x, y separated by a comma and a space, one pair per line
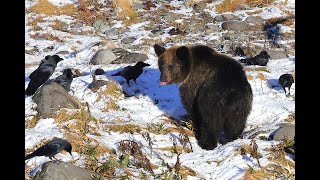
42, 73
286, 80
51, 148
261, 59
132, 72
99, 71
239, 52
65, 79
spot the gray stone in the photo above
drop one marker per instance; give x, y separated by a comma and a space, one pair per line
51, 97
254, 19
199, 7
103, 56
224, 17
235, 26
112, 32
214, 27
286, 133
138, 6
96, 85
128, 40
77, 25
274, 54
130, 58
195, 28
63, 171
101, 25
242, 6
172, 17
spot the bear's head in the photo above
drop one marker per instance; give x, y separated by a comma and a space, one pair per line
173, 63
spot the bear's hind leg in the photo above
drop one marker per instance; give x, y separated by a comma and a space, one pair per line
233, 128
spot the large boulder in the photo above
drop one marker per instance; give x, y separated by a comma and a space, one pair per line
236, 26
126, 57
286, 133
103, 56
63, 171
51, 97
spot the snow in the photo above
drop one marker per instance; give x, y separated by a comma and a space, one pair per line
149, 103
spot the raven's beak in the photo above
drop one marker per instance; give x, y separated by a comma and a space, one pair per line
71, 156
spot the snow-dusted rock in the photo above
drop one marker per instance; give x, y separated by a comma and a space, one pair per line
51, 97
254, 19
285, 133
63, 171
103, 56
236, 26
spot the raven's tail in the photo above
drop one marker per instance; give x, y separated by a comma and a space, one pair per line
32, 88
117, 74
29, 156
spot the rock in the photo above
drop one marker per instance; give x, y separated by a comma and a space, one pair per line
274, 54
199, 7
195, 28
224, 17
236, 26
111, 32
96, 85
103, 56
130, 58
101, 25
286, 133
242, 6
77, 25
138, 6
51, 97
63, 171
254, 19
172, 16
128, 40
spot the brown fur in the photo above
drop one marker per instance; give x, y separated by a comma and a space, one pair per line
213, 89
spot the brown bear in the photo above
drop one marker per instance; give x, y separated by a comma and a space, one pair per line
213, 87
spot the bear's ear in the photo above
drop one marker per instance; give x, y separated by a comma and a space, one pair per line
159, 49
182, 53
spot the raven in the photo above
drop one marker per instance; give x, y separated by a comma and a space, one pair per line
65, 79
132, 72
286, 80
42, 73
51, 148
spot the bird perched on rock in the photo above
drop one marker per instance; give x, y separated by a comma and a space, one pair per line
42, 73
286, 80
51, 148
99, 71
65, 79
132, 72
261, 59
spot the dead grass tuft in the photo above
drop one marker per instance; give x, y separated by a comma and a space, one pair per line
233, 5
47, 8
124, 128
125, 11
34, 23
47, 36
172, 149
264, 69
111, 106
58, 25
291, 117
33, 122
89, 11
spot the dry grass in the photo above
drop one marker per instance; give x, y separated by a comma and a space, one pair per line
247, 68
180, 130
34, 23
47, 8
249, 77
291, 117
124, 128
233, 5
58, 25
287, 21
33, 122
172, 149
113, 89
89, 11
125, 11
47, 36
110, 106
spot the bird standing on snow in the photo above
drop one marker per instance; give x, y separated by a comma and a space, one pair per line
286, 80
65, 79
132, 72
42, 73
51, 148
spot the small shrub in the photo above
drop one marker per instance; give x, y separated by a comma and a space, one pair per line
47, 8
125, 11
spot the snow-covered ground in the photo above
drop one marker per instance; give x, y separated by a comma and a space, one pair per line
151, 104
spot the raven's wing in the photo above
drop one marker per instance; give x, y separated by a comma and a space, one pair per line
47, 69
52, 148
